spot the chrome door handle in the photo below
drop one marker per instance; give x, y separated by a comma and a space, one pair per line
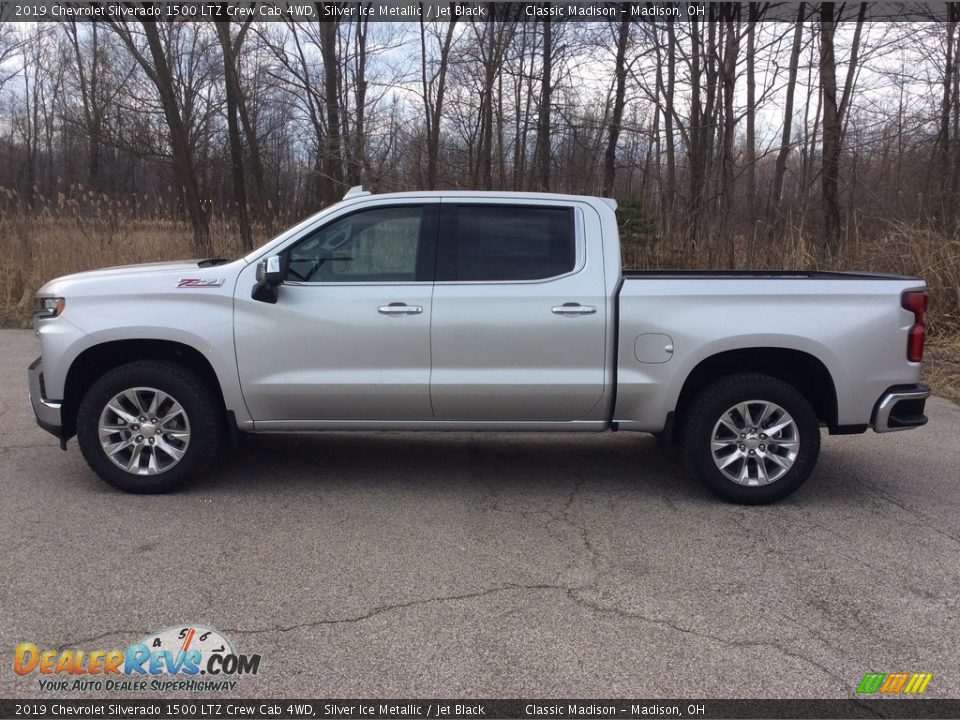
399, 309
573, 309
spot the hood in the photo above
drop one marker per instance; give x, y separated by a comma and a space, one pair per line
202, 270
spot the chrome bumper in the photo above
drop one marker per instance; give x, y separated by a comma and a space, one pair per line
901, 408
47, 411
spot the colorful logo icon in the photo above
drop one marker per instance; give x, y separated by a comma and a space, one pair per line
894, 683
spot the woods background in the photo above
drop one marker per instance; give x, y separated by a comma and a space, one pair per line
758, 135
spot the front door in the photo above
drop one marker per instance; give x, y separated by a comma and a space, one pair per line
349, 336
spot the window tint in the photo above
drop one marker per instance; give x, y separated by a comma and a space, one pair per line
380, 245
512, 243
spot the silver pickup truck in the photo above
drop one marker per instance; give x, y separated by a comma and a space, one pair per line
472, 311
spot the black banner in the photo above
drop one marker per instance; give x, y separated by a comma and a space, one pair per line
442, 10
471, 709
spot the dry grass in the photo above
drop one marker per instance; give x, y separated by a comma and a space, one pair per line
901, 249
85, 231
942, 368
81, 230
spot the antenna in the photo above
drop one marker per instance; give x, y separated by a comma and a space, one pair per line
356, 191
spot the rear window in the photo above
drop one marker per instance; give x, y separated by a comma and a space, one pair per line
503, 242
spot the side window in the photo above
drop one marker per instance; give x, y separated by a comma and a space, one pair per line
504, 242
377, 245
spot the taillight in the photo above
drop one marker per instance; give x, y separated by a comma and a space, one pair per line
916, 302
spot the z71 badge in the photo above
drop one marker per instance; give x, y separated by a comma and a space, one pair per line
199, 283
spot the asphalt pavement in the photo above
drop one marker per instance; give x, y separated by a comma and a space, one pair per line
491, 565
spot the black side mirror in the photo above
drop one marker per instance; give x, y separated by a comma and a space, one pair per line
269, 277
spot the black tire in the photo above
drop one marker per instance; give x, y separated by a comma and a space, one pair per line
704, 415
201, 417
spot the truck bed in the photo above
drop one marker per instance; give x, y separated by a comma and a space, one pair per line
763, 274
852, 323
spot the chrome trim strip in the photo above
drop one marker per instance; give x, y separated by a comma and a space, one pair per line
47, 411
881, 421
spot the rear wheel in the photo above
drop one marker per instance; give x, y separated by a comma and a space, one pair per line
751, 438
149, 426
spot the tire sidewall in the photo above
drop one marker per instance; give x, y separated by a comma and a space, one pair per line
179, 383
720, 397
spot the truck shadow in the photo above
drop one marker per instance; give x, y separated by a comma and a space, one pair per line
438, 461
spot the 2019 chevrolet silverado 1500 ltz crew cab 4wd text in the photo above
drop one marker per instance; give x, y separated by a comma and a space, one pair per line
472, 311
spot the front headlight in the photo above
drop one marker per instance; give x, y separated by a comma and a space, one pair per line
50, 307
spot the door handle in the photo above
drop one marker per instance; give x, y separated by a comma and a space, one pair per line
399, 309
573, 309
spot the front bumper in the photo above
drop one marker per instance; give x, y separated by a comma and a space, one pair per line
47, 411
900, 408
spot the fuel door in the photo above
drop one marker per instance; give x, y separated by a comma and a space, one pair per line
654, 348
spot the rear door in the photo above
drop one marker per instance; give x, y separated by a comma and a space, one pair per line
519, 313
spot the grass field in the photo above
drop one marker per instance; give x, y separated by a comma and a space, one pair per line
86, 232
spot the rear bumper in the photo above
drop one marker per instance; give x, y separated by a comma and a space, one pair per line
900, 408
46, 411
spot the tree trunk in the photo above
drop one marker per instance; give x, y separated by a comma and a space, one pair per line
434, 106
233, 132
728, 70
785, 138
829, 178
750, 151
543, 124
89, 94
668, 117
332, 156
944, 139
485, 160
358, 167
695, 145
616, 119
955, 139
183, 166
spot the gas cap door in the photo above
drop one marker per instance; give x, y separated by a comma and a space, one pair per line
654, 348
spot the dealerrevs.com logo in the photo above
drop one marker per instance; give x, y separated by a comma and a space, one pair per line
186, 657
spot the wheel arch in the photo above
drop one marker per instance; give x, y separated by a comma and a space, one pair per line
803, 371
98, 359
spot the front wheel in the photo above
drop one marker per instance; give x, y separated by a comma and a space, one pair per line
149, 427
752, 439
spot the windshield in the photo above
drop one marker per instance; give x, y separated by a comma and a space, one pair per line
289, 233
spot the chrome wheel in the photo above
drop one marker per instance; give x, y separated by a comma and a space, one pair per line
755, 443
144, 431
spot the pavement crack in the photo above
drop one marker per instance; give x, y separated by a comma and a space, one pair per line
101, 636
371, 613
391, 607
572, 593
928, 523
566, 516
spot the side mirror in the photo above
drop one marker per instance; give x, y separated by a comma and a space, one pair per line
270, 270
269, 277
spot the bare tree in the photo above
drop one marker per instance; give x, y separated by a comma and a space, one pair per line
543, 124
668, 117
234, 95
834, 110
493, 38
357, 165
10, 45
619, 95
434, 88
728, 72
755, 12
332, 158
786, 136
158, 68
